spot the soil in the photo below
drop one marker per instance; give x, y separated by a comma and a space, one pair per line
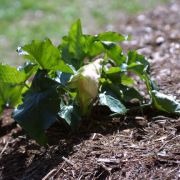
139, 146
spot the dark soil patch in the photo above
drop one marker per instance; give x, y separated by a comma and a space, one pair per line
139, 146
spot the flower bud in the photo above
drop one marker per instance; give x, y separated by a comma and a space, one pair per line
86, 81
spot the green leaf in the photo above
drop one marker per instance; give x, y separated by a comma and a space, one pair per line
111, 36
76, 40
71, 115
73, 46
10, 94
134, 57
112, 102
11, 85
113, 70
40, 107
63, 78
126, 80
137, 68
130, 93
28, 69
10, 74
46, 55
150, 84
137, 63
66, 55
165, 103
114, 76
92, 47
114, 52
117, 76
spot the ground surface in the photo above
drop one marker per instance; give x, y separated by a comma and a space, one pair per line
142, 146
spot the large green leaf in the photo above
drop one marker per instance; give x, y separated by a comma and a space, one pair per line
28, 69
111, 36
11, 85
114, 78
10, 74
113, 70
72, 47
40, 107
71, 115
134, 57
136, 68
130, 93
137, 63
126, 80
114, 52
92, 47
165, 103
66, 55
76, 40
10, 94
112, 102
116, 75
46, 55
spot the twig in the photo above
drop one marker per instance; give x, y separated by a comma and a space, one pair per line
106, 168
68, 161
49, 174
4, 148
58, 170
167, 142
106, 160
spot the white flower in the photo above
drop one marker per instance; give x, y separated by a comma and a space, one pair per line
86, 81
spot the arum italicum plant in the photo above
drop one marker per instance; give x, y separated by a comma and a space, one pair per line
65, 88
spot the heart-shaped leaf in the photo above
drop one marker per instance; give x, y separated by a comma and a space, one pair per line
113, 103
165, 103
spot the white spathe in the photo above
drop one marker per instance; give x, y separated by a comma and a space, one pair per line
86, 81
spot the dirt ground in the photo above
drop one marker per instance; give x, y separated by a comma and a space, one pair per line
139, 146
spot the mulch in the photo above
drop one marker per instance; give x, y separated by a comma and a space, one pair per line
139, 146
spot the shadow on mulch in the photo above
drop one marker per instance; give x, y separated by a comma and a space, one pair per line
27, 160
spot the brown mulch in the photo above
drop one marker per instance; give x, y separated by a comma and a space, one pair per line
142, 146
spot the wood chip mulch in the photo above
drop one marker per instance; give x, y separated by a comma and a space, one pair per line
139, 146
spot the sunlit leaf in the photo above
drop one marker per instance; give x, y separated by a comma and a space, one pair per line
9, 74
11, 85
113, 103
134, 57
72, 46
28, 69
10, 94
137, 63
165, 103
92, 47
111, 36
46, 55
126, 80
76, 40
114, 52
71, 115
